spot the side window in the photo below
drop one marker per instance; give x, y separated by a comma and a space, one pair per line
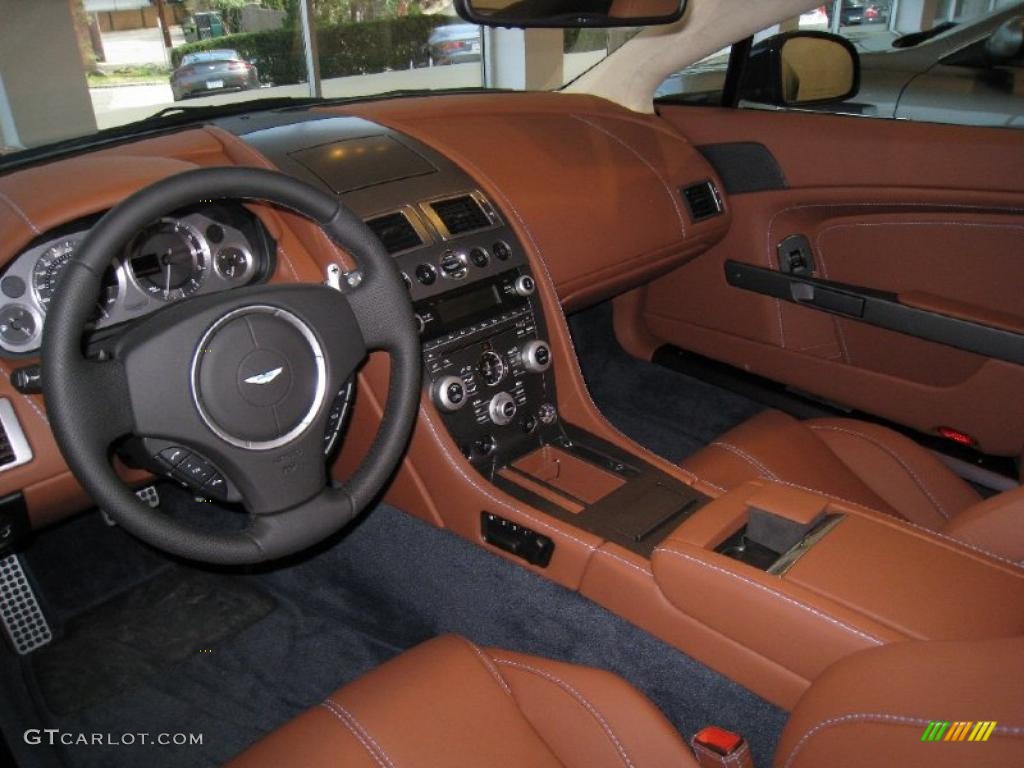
950, 61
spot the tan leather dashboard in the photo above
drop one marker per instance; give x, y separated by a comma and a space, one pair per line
599, 186
595, 187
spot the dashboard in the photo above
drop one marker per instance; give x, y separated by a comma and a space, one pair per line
206, 249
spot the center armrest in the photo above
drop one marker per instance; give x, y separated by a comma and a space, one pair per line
854, 579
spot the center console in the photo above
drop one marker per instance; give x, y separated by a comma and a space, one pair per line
488, 370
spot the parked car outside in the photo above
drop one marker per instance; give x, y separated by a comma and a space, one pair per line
454, 43
212, 71
940, 75
854, 12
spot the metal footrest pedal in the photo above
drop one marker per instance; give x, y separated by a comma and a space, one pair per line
22, 617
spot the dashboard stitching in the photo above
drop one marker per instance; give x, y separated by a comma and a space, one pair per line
645, 161
19, 212
29, 400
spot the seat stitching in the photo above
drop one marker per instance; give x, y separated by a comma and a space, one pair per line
899, 459
488, 664
774, 593
379, 755
763, 470
1007, 730
349, 727
567, 688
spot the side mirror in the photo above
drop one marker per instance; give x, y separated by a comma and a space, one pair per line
1007, 42
570, 13
801, 68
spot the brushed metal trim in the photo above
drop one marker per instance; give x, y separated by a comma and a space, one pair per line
15, 436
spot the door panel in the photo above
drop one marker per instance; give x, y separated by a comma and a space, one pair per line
933, 214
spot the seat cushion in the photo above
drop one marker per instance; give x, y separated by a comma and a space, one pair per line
449, 703
852, 460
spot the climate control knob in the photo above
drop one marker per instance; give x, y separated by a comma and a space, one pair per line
536, 356
502, 409
450, 393
524, 285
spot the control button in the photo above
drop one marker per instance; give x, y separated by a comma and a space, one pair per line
426, 274
479, 257
13, 287
501, 250
28, 379
530, 425
453, 265
491, 368
525, 285
216, 485
195, 470
536, 356
174, 455
502, 409
407, 281
420, 323
485, 446
450, 393
547, 413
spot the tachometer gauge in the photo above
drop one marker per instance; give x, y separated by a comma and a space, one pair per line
168, 260
49, 267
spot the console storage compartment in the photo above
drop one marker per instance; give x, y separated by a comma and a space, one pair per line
854, 579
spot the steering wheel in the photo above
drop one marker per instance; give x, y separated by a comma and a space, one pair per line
244, 378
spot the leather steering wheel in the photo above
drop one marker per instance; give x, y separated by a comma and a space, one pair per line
244, 378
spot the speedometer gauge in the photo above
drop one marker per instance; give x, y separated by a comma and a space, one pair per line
168, 260
49, 267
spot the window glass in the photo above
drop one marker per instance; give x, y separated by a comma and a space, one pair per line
920, 60
71, 68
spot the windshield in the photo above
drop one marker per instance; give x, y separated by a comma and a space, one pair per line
71, 69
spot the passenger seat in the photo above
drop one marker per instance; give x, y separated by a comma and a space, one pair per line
869, 465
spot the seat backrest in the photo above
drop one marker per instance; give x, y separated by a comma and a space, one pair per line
880, 707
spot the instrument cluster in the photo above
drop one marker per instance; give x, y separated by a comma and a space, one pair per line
199, 251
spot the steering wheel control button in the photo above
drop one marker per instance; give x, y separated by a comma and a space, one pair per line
536, 356
195, 470
502, 409
215, 485
450, 393
174, 455
259, 377
525, 285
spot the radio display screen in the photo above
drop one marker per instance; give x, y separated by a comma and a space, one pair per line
452, 310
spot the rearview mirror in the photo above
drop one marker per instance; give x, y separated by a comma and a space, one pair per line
570, 13
801, 69
1007, 42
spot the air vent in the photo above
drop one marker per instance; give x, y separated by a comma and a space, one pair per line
460, 214
14, 448
702, 200
396, 232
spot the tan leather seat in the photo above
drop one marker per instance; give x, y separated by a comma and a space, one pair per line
865, 464
450, 703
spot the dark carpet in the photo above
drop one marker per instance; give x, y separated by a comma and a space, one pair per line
670, 413
389, 583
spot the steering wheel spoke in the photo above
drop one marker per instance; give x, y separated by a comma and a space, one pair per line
243, 382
